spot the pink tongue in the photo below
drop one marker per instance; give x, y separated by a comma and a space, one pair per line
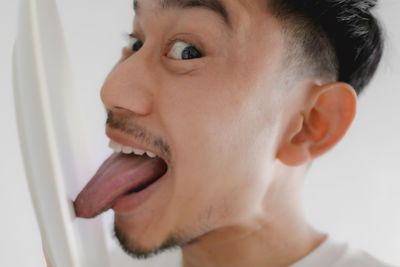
117, 176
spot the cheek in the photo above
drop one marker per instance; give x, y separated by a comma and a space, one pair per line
217, 132
202, 124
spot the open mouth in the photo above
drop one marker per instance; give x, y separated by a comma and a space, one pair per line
146, 184
122, 174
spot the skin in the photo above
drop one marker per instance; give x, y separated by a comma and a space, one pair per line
241, 138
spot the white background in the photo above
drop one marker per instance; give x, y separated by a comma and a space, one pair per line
352, 192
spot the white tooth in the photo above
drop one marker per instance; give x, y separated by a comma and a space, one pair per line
127, 150
138, 151
117, 148
151, 155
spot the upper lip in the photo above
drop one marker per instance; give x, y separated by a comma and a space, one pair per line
122, 139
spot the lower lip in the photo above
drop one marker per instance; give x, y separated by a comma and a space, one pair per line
129, 203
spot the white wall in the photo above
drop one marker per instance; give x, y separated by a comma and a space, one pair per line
352, 192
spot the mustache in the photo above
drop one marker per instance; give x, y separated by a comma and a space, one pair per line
124, 123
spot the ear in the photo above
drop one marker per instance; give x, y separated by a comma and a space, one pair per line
315, 129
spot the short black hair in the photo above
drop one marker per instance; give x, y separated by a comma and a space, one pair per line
338, 39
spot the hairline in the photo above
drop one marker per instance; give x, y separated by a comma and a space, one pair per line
298, 30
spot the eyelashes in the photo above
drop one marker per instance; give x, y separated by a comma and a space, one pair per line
176, 48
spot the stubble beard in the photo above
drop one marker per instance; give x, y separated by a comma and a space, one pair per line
137, 251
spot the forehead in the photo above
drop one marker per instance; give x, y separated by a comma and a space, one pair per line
228, 11
215, 6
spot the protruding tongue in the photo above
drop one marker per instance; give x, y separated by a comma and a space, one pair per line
117, 176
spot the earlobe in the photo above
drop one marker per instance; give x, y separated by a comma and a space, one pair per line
322, 121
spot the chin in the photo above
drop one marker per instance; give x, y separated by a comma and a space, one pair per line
144, 246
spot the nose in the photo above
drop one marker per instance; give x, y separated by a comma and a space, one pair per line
128, 86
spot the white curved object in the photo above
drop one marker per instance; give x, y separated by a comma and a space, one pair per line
53, 138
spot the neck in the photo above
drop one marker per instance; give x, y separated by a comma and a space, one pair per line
277, 236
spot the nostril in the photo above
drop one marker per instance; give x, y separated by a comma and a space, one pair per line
136, 101
130, 86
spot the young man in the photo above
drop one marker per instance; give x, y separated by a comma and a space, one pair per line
230, 100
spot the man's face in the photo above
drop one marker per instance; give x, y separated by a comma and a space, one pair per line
220, 115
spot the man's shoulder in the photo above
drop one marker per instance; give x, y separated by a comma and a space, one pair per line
358, 258
332, 253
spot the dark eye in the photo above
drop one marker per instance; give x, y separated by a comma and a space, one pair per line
183, 51
134, 44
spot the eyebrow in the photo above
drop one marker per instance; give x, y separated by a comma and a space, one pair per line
214, 5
